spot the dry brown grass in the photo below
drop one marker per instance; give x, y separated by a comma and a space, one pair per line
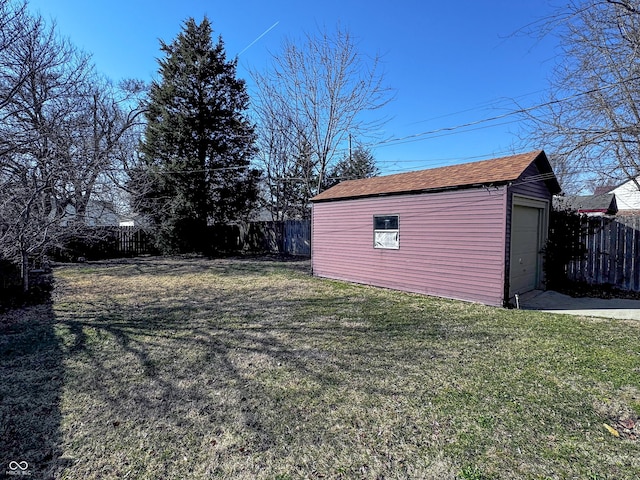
243, 369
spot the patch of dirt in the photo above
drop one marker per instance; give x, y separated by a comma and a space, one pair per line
626, 428
620, 420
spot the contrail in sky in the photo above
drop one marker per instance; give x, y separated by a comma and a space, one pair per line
263, 34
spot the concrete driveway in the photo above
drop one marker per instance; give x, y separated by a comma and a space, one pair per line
554, 302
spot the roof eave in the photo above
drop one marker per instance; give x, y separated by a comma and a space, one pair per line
414, 192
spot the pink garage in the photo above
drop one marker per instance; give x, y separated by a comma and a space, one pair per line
471, 232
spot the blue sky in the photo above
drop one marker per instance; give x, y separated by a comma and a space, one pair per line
450, 63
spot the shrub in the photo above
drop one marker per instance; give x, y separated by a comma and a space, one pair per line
563, 246
11, 293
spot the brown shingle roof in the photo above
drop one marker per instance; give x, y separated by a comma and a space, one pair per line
486, 172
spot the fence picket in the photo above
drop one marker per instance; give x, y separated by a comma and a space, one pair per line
613, 252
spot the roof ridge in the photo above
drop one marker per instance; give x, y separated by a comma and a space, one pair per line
455, 165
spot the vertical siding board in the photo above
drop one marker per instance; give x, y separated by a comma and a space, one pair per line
507, 242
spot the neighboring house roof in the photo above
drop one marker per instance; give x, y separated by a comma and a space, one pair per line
588, 203
487, 172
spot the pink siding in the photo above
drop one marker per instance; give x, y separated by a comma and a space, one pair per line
452, 244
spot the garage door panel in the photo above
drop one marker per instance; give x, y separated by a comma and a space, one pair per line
525, 249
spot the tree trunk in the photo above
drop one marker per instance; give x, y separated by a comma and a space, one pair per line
24, 271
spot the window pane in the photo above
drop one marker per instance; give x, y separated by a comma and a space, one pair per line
386, 240
385, 222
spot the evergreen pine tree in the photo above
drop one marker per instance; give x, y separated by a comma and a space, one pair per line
359, 164
198, 143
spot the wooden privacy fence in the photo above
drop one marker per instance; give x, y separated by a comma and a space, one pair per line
297, 237
612, 252
291, 237
132, 241
98, 243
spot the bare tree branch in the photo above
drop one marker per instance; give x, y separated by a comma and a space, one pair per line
593, 135
313, 97
61, 134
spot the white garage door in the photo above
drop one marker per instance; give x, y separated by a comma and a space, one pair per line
525, 249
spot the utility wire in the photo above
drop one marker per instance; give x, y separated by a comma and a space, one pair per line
520, 111
430, 133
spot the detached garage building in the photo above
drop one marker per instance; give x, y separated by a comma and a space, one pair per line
470, 232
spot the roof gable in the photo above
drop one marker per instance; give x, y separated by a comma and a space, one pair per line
487, 172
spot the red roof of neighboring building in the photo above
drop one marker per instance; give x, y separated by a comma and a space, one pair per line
486, 172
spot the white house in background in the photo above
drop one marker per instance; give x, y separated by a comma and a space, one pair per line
133, 220
97, 214
101, 214
627, 197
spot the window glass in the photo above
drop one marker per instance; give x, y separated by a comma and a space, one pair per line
385, 232
385, 222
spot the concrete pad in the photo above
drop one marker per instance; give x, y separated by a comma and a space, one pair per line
554, 302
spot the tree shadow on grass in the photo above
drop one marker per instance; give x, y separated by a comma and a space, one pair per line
176, 265
31, 369
200, 374
212, 377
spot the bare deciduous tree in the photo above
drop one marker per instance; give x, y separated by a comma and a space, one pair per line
59, 137
590, 124
313, 96
97, 143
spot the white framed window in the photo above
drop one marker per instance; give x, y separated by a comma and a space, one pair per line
386, 231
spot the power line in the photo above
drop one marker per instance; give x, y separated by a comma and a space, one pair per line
445, 131
487, 105
182, 171
439, 132
520, 111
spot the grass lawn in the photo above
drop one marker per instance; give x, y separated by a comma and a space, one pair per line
252, 369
